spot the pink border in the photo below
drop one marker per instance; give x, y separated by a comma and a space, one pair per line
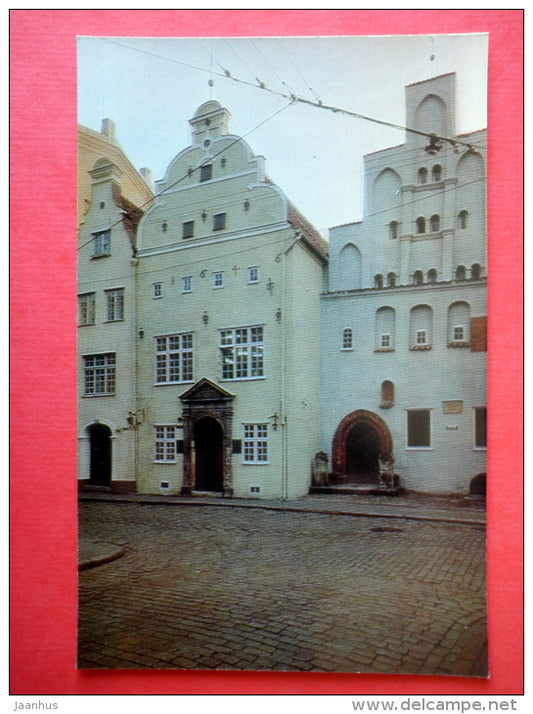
43, 443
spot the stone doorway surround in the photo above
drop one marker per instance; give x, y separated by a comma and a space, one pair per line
358, 419
207, 399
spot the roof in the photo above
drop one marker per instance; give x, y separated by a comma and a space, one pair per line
308, 232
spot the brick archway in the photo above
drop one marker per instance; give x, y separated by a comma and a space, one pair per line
351, 422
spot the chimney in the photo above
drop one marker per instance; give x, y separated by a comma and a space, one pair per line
108, 129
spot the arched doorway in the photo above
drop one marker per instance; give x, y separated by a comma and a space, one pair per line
100, 455
361, 439
209, 455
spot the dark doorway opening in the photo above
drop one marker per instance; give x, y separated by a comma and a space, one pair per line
100, 440
363, 446
209, 452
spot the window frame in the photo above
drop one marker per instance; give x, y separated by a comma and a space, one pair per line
255, 443
168, 444
434, 223
219, 221
86, 309
101, 243
157, 290
347, 344
103, 373
206, 172
218, 279
114, 305
242, 354
174, 355
251, 279
187, 230
409, 437
186, 284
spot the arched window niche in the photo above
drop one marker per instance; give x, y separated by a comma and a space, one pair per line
458, 328
393, 230
378, 280
436, 173
387, 394
385, 331
432, 276
420, 224
418, 277
434, 223
421, 328
422, 175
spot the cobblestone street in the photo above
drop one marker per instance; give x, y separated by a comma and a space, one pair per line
251, 589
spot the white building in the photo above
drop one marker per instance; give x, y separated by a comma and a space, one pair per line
228, 294
404, 315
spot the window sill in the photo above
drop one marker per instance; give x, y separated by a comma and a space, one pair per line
87, 324
156, 461
93, 396
242, 379
479, 448
172, 384
384, 349
458, 344
419, 448
420, 348
347, 349
97, 256
255, 463
106, 322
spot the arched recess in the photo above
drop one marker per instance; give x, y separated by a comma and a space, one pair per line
350, 263
360, 440
386, 195
430, 115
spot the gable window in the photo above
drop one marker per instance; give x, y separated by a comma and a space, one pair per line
86, 309
434, 222
421, 224
255, 443
480, 427
186, 284
115, 304
436, 173
99, 374
187, 229
206, 172
422, 175
418, 428
242, 352
463, 219
218, 279
166, 444
253, 274
347, 338
174, 358
158, 290
393, 230
101, 243
219, 221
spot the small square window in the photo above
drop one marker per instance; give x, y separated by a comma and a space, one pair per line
253, 274
186, 285
219, 221
188, 229
206, 172
386, 341
421, 337
218, 279
458, 333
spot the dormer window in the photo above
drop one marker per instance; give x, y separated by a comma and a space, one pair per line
206, 172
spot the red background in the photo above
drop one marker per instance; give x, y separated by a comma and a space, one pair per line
43, 490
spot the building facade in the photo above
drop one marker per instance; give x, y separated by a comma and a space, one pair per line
222, 351
404, 315
108, 201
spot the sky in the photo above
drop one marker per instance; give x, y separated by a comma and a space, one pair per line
151, 87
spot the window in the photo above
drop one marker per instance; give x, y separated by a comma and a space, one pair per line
387, 394
166, 446
115, 305
463, 219
219, 221
421, 337
386, 341
218, 279
434, 223
347, 338
253, 274
420, 327
255, 443
174, 358
385, 328
480, 427
432, 276
102, 243
86, 309
418, 277
391, 280
458, 333
100, 374
186, 284
436, 173
421, 224
206, 172
475, 271
418, 429
187, 229
422, 175
378, 280
242, 353
158, 290
460, 272
393, 230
